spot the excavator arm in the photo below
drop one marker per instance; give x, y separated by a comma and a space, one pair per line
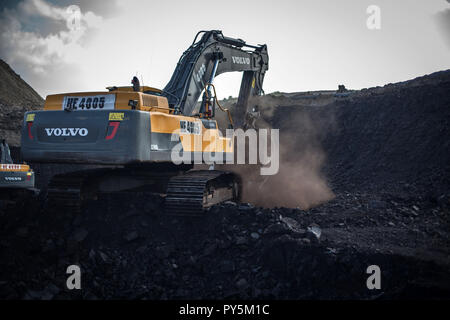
208, 57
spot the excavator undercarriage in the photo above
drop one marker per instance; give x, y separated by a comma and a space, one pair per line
186, 192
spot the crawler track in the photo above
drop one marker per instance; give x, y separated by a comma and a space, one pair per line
64, 192
187, 193
191, 193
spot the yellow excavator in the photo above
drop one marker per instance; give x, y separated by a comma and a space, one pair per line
16, 180
136, 132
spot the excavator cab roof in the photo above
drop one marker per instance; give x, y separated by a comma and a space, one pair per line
144, 89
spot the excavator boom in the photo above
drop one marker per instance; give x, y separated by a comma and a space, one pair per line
196, 68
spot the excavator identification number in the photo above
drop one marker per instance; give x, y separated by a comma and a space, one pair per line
89, 102
10, 166
190, 127
201, 71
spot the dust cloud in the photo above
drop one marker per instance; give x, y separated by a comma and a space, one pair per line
299, 181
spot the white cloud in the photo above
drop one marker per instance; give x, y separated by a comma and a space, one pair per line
33, 7
312, 45
38, 52
442, 19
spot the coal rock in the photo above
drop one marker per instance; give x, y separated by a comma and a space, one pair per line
131, 236
376, 204
209, 249
241, 240
49, 246
165, 250
245, 207
227, 266
255, 235
242, 283
104, 257
314, 232
277, 228
80, 234
306, 240
33, 295
50, 292
293, 226
22, 232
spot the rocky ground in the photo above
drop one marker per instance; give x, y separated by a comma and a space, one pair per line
16, 98
386, 160
127, 249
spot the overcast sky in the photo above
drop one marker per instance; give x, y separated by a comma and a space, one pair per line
312, 44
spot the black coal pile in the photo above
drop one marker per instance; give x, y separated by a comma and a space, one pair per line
127, 249
386, 162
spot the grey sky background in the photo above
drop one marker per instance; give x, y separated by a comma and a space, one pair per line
313, 44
